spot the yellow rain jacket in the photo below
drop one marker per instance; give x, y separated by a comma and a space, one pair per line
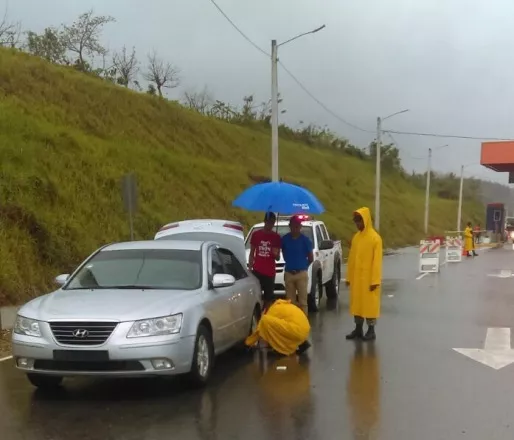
365, 269
468, 239
284, 326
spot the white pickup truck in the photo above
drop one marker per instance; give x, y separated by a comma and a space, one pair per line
326, 268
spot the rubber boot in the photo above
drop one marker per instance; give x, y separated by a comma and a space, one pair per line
357, 333
370, 334
303, 347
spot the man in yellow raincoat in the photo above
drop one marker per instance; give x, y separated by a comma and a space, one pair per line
284, 327
469, 242
364, 275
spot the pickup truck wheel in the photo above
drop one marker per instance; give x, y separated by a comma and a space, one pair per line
203, 358
314, 298
332, 287
43, 382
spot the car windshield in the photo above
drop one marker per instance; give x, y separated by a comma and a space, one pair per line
141, 269
282, 230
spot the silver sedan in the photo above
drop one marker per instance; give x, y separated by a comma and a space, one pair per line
143, 308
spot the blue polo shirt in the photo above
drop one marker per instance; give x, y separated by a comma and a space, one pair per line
296, 252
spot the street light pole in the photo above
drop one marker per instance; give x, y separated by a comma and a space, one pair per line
459, 213
378, 166
274, 111
377, 173
274, 101
427, 195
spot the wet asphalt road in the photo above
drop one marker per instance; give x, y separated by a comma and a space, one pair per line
409, 384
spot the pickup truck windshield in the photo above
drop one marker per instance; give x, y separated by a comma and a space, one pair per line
141, 269
283, 230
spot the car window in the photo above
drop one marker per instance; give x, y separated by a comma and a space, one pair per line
324, 232
216, 263
232, 265
319, 237
140, 269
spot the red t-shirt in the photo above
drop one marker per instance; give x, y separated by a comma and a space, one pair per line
264, 260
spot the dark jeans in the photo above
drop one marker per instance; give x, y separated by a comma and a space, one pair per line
267, 286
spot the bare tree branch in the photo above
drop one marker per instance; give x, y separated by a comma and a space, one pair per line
126, 66
83, 36
10, 32
161, 73
202, 101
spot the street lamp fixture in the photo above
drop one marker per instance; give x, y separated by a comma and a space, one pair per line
274, 100
379, 165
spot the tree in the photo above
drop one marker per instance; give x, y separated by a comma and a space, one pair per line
161, 73
126, 65
49, 45
202, 101
83, 37
10, 32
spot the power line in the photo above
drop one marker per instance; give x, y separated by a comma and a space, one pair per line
239, 30
454, 136
293, 77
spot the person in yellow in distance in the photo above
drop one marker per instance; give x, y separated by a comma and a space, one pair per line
364, 275
469, 242
283, 326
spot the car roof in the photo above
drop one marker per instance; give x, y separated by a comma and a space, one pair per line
155, 244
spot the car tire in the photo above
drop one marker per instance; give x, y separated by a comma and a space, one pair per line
44, 382
203, 358
314, 298
332, 287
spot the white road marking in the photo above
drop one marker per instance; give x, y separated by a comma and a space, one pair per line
423, 275
497, 352
5, 358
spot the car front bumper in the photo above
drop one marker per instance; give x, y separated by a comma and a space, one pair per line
118, 356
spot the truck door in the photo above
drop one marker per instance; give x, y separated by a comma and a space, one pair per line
323, 255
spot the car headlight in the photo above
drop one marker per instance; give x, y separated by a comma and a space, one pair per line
167, 325
27, 327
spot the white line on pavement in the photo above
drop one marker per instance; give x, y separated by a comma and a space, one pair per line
423, 275
5, 358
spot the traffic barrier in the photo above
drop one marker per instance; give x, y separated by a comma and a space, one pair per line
453, 249
429, 256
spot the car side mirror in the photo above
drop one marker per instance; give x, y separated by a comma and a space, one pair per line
61, 279
325, 245
222, 280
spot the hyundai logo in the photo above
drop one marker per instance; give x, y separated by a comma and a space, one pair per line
80, 333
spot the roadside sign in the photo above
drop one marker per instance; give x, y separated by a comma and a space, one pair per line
453, 249
429, 256
129, 196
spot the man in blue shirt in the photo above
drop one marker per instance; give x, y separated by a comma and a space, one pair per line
297, 252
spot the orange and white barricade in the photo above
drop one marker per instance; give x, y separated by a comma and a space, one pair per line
429, 256
453, 249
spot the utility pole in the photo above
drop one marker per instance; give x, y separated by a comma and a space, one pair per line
274, 111
377, 174
459, 214
427, 195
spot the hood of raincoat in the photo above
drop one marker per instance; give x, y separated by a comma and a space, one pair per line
365, 213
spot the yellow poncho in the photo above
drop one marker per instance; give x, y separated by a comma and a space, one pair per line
284, 326
468, 239
365, 269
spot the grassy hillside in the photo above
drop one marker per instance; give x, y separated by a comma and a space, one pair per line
66, 139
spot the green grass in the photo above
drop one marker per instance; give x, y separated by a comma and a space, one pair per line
66, 140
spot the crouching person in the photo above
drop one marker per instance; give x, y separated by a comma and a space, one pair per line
284, 327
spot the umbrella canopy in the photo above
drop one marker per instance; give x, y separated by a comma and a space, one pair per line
281, 197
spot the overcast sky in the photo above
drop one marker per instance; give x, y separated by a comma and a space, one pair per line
448, 61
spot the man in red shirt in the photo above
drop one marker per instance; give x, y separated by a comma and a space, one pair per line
264, 251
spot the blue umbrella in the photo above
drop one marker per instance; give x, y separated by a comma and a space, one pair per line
281, 197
